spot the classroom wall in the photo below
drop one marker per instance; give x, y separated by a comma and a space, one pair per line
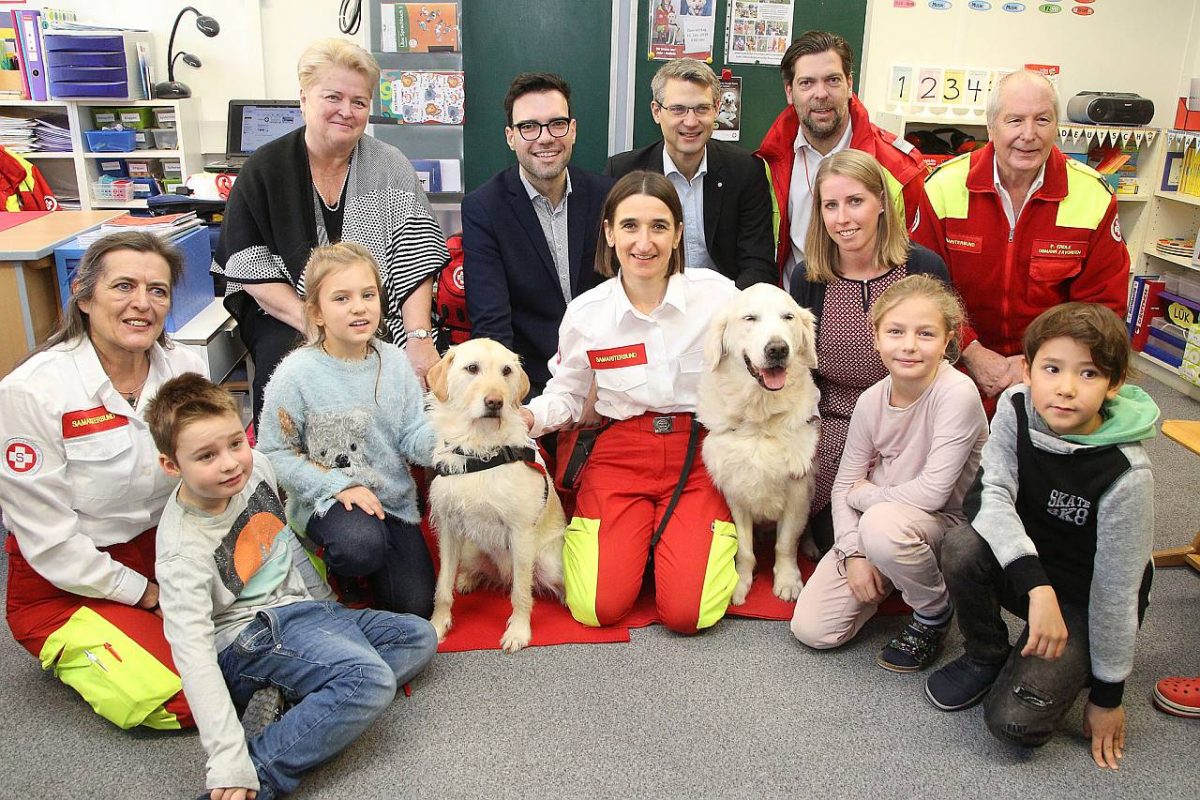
1126, 46
254, 56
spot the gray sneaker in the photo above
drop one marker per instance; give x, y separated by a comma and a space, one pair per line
961, 684
265, 707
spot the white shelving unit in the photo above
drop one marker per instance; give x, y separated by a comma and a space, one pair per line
1168, 215
74, 172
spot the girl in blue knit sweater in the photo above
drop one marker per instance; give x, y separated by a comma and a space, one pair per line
342, 420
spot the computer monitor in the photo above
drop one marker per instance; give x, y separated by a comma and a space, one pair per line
253, 123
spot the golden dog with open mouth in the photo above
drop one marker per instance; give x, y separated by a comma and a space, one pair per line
759, 404
490, 498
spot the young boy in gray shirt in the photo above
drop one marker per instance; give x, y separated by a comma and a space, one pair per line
1061, 531
245, 610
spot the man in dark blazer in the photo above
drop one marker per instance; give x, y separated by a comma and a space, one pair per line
529, 233
719, 183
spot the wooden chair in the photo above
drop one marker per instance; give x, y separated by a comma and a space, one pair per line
1187, 433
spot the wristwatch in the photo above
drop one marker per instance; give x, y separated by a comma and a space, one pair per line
419, 333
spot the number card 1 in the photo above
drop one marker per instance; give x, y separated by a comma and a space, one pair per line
900, 87
928, 90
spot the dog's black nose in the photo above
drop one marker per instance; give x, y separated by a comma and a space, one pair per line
342, 460
493, 403
777, 351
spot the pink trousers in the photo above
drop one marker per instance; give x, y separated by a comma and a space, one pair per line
900, 541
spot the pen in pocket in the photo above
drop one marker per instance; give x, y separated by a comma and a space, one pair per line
92, 658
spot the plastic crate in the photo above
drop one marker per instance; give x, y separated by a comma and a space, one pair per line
110, 141
192, 294
164, 118
165, 138
113, 190
135, 117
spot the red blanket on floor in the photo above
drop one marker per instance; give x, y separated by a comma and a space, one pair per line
481, 616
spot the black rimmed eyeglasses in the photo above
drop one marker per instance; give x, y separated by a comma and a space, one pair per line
679, 110
532, 131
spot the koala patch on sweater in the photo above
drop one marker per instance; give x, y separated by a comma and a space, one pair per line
338, 441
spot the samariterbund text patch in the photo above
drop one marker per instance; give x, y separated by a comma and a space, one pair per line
630, 355
92, 420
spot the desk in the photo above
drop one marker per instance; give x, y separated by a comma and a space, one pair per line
28, 288
1187, 433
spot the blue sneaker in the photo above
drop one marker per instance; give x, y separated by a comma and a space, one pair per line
961, 684
915, 648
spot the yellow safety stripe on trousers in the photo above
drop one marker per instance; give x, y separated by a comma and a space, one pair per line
121, 681
946, 188
720, 578
1087, 198
581, 566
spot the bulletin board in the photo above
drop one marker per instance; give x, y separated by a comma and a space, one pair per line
762, 85
502, 38
1123, 46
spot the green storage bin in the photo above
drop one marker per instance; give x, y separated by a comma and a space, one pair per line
104, 118
135, 118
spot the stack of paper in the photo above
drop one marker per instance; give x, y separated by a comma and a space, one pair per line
169, 226
51, 135
16, 134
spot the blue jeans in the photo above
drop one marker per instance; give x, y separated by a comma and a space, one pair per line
339, 667
390, 552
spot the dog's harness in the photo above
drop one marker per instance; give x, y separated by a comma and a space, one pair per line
505, 455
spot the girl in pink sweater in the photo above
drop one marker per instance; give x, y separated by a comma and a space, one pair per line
911, 453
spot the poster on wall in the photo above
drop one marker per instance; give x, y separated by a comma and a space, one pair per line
422, 98
418, 27
729, 110
758, 31
681, 29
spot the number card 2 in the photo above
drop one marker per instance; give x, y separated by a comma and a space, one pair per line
928, 89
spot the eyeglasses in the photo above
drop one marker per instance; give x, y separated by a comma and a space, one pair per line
679, 110
532, 131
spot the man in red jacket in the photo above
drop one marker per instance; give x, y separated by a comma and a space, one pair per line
823, 117
1021, 228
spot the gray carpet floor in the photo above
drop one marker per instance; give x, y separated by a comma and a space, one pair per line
741, 711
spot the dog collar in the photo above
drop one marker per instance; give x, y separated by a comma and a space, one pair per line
505, 455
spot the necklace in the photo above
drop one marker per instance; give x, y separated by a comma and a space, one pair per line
131, 395
337, 203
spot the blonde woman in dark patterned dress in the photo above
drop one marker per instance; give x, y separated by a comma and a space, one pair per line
855, 249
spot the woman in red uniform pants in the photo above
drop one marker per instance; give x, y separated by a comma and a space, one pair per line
640, 336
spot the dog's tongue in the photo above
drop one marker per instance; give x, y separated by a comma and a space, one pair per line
774, 377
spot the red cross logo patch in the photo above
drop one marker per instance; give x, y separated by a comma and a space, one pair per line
22, 457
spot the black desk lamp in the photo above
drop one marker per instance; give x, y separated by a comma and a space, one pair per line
172, 89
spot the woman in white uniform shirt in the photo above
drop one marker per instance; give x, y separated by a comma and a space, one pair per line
82, 491
640, 336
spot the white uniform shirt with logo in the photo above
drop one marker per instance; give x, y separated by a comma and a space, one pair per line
72, 482
662, 352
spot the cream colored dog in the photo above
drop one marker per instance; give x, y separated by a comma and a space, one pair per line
759, 404
507, 512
